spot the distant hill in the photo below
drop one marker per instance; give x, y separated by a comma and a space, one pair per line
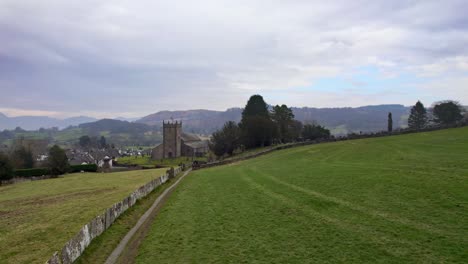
195, 121
115, 126
339, 120
36, 122
346, 120
121, 132
147, 130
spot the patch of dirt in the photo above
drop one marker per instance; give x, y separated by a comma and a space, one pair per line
6, 214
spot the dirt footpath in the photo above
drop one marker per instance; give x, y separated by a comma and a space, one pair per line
127, 249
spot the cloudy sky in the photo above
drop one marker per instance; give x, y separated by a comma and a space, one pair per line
132, 58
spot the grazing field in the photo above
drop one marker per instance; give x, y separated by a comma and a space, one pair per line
396, 199
38, 218
146, 161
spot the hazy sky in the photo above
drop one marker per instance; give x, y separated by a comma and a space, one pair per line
132, 58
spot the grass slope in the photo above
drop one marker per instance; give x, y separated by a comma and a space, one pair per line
38, 218
148, 162
394, 199
101, 247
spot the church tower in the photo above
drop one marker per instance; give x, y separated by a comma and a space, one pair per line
172, 143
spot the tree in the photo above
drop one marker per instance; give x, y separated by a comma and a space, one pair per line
256, 106
283, 117
390, 122
418, 116
226, 140
58, 161
256, 125
6, 168
257, 131
22, 158
295, 129
312, 132
447, 112
102, 142
85, 141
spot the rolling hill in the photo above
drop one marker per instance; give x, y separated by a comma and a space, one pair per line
36, 122
339, 120
398, 199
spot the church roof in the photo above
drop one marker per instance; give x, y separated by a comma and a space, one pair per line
188, 137
197, 144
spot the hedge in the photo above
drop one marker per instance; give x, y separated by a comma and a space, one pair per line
84, 167
31, 172
46, 171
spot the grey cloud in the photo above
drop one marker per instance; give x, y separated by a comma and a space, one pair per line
127, 56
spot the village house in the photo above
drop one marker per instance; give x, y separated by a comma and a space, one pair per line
177, 143
96, 156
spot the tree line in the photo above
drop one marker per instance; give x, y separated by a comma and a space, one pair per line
22, 158
260, 127
442, 113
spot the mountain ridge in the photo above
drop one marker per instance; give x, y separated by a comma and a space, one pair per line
340, 120
36, 122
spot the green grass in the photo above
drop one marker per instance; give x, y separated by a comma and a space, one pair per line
69, 135
250, 152
39, 217
101, 247
400, 199
147, 161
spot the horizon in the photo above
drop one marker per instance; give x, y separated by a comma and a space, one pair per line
183, 110
127, 59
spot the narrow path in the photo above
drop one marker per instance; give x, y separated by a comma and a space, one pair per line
141, 226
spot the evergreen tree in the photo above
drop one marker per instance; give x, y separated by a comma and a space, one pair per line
283, 117
85, 141
295, 129
256, 106
418, 116
6, 168
447, 112
102, 142
22, 158
390, 122
226, 140
312, 132
58, 161
257, 127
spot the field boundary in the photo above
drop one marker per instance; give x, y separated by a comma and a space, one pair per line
117, 252
76, 246
320, 141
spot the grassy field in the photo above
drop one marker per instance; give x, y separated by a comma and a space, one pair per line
101, 247
38, 218
400, 199
147, 161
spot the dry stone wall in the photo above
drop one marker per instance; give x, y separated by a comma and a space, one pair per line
332, 139
75, 246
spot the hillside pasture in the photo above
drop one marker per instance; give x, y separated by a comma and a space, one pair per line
399, 199
146, 161
39, 217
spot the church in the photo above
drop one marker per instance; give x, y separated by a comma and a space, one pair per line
176, 143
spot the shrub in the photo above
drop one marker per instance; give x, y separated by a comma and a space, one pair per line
58, 161
84, 167
31, 172
6, 169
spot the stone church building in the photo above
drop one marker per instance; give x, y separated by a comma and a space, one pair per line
176, 143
